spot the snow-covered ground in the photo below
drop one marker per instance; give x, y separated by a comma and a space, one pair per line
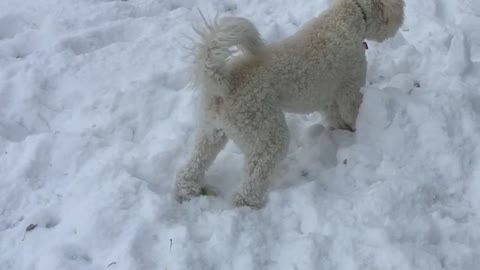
96, 116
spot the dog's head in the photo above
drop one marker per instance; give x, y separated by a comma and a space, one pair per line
383, 18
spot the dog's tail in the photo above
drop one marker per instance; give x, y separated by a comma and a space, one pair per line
217, 41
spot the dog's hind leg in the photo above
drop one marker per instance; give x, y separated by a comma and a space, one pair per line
270, 146
258, 167
208, 143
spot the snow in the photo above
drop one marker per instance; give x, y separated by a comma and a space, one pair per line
96, 116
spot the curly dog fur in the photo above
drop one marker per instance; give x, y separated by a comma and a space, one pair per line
243, 97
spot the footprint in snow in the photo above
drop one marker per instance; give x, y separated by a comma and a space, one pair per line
11, 25
459, 59
143, 247
47, 218
99, 38
74, 254
18, 38
13, 131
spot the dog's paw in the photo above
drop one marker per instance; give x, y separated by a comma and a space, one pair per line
340, 126
187, 190
208, 190
345, 127
254, 202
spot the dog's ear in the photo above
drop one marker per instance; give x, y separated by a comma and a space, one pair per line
386, 17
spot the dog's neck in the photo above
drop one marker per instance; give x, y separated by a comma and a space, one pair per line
361, 9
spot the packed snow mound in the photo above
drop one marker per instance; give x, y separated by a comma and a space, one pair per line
96, 115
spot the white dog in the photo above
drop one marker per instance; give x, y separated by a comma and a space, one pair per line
321, 68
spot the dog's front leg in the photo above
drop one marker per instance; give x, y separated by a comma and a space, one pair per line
333, 119
349, 102
208, 143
